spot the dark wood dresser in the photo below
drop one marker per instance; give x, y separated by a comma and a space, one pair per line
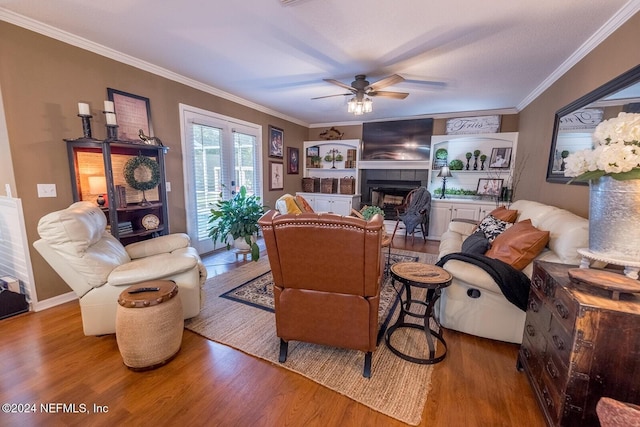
578, 346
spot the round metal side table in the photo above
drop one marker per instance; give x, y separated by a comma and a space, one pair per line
424, 276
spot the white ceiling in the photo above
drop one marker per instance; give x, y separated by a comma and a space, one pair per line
456, 55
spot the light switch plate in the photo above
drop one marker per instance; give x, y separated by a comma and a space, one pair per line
168, 186
47, 190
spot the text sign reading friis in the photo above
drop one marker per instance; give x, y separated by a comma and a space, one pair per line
472, 125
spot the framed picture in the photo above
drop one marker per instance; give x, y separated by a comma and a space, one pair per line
489, 187
132, 114
313, 151
276, 176
293, 154
500, 158
276, 142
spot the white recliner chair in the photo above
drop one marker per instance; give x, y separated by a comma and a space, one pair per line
75, 242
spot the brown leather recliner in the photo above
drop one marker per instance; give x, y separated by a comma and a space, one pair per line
327, 273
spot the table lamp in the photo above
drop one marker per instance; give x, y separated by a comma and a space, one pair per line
444, 174
98, 185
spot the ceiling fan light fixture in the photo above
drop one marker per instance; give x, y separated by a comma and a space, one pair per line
359, 107
351, 105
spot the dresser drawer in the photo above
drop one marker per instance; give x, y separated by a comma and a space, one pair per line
564, 309
559, 341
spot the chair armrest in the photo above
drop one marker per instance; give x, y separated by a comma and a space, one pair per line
161, 266
158, 245
462, 227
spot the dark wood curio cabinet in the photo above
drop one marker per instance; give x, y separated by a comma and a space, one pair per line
97, 167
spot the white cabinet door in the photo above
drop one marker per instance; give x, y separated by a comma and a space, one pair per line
439, 219
464, 211
323, 204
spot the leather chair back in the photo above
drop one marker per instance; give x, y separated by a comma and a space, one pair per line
327, 271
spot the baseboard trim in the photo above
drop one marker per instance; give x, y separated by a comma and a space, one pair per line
55, 301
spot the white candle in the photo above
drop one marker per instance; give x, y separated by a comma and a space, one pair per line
108, 107
83, 109
111, 118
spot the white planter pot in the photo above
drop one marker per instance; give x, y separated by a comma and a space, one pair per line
241, 244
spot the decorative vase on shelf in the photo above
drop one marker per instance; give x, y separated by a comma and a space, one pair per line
614, 215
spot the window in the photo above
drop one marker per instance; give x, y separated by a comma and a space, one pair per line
221, 155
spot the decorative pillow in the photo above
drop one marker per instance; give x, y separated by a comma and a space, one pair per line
476, 243
504, 214
492, 227
303, 204
287, 205
519, 245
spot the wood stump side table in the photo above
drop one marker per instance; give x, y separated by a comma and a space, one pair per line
433, 279
149, 324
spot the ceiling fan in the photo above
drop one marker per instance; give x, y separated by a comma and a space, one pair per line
361, 88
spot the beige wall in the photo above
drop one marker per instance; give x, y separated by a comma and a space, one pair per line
42, 80
616, 55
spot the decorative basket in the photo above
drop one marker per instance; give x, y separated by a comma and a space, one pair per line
311, 185
328, 185
348, 185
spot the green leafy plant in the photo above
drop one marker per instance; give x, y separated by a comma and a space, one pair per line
483, 157
455, 192
441, 154
456, 165
369, 211
476, 153
468, 155
237, 217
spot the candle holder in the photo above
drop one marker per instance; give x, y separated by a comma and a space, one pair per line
112, 132
86, 125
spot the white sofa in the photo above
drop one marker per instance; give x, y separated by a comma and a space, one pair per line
474, 303
74, 241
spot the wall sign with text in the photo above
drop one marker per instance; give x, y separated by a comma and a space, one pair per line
473, 125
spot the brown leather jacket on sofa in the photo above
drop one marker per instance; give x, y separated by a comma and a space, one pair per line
327, 273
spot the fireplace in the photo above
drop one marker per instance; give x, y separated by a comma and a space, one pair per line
387, 188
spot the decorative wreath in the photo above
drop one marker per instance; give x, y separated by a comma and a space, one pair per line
146, 162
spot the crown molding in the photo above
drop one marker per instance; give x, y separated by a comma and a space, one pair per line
622, 16
71, 39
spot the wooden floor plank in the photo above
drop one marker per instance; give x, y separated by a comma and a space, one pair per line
45, 358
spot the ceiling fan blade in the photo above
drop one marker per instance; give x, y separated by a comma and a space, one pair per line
342, 85
330, 96
387, 94
387, 81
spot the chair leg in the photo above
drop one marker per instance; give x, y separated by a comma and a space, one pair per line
395, 229
284, 348
367, 365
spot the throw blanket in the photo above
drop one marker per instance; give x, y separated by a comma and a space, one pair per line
419, 206
513, 283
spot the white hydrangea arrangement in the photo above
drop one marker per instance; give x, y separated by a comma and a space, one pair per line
616, 151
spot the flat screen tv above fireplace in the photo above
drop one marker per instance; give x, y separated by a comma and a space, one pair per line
397, 140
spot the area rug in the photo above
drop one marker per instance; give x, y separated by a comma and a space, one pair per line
396, 388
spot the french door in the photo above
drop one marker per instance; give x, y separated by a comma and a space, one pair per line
220, 154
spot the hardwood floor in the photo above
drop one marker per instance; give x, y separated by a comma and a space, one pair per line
45, 359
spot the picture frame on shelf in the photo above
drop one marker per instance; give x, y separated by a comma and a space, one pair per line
293, 163
500, 158
276, 142
489, 187
276, 176
313, 151
133, 113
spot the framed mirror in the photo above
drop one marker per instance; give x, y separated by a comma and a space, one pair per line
575, 123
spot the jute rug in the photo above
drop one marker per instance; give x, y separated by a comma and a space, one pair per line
396, 388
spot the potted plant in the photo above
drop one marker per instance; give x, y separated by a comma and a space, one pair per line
237, 217
369, 211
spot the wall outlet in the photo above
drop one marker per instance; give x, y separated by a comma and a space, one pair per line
47, 190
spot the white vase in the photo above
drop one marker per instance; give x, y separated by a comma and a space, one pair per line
614, 218
241, 244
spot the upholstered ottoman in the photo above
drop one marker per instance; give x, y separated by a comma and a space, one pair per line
149, 324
